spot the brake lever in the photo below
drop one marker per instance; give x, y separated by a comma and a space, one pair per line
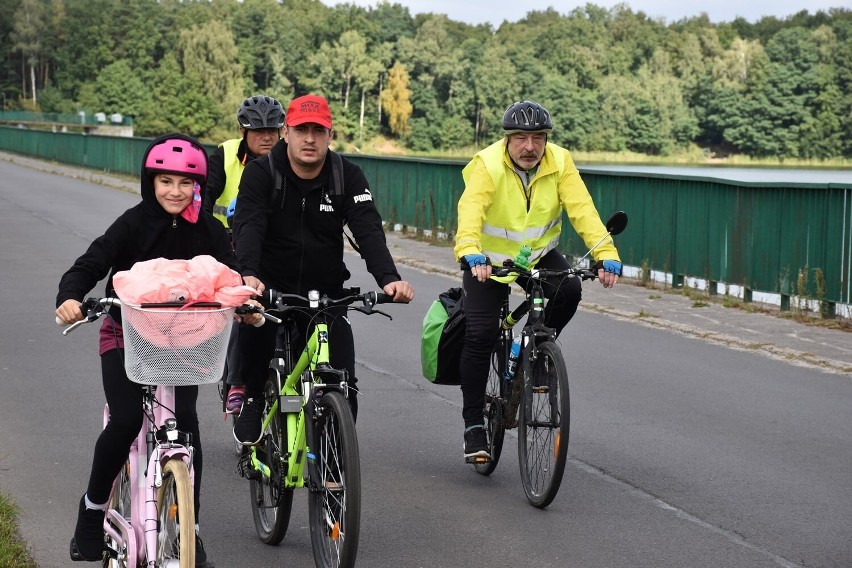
369, 310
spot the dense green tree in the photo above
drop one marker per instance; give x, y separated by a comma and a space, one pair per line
176, 103
494, 89
90, 44
209, 60
614, 78
27, 31
116, 90
257, 28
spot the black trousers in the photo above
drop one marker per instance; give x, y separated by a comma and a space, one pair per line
257, 345
482, 302
125, 420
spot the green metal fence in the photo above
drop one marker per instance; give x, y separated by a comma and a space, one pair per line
69, 119
784, 238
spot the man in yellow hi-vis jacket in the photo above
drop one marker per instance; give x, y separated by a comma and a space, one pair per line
515, 192
260, 118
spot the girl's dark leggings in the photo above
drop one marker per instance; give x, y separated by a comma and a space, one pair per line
125, 420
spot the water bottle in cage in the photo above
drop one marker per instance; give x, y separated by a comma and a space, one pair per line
512, 363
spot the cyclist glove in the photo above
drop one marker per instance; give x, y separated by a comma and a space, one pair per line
475, 260
612, 266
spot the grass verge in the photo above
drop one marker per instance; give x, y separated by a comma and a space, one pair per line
14, 552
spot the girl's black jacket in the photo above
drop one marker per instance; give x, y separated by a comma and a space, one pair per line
144, 232
296, 244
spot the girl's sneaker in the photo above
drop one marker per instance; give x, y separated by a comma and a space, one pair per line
236, 395
88, 541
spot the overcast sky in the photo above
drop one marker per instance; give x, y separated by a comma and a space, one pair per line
496, 11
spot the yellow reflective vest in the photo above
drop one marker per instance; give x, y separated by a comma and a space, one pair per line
233, 171
494, 217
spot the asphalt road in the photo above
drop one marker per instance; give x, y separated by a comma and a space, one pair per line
683, 452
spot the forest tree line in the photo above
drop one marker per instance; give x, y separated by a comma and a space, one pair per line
614, 79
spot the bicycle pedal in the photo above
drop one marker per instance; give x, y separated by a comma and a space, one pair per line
332, 485
541, 390
477, 460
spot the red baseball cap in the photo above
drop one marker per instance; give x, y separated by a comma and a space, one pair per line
308, 108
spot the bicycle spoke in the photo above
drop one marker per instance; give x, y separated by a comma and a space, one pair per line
335, 505
543, 427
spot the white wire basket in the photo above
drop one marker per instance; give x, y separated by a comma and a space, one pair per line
175, 346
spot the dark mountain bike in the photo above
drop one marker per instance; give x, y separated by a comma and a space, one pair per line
536, 399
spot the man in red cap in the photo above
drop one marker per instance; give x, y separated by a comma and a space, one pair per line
288, 231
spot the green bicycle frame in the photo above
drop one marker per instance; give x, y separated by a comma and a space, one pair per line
314, 355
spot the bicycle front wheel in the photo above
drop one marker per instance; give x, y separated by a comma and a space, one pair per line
494, 409
271, 502
335, 500
543, 426
176, 517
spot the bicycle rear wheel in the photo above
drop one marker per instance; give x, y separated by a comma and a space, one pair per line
335, 501
271, 502
495, 409
120, 503
543, 426
176, 518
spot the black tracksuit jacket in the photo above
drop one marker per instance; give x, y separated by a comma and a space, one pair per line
296, 244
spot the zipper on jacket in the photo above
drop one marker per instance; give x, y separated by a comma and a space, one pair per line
301, 240
174, 222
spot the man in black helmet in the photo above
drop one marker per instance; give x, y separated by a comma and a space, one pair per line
515, 192
260, 119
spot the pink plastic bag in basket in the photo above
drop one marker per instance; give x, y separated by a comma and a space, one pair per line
200, 279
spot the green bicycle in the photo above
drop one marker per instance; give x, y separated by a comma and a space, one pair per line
309, 437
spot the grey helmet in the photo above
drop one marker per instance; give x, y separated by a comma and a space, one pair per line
526, 116
260, 111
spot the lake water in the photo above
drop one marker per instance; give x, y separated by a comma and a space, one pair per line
770, 175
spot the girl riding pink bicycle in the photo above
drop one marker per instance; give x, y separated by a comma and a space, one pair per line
168, 223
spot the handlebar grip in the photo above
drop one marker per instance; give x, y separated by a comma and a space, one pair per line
382, 298
60, 322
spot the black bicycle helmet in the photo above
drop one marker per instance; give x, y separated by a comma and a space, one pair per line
260, 111
526, 116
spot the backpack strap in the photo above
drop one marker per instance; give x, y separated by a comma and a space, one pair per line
336, 174
337, 190
277, 196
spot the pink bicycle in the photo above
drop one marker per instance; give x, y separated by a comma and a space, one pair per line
150, 519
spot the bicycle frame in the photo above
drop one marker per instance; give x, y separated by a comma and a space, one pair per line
296, 406
533, 308
139, 534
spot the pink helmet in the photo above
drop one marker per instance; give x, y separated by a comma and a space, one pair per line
177, 156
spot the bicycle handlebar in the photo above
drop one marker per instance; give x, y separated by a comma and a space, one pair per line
508, 268
93, 309
281, 302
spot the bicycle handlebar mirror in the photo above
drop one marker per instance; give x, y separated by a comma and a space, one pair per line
616, 223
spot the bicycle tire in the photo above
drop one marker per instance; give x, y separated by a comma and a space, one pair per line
176, 516
543, 426
120, 503
495, 409
271, 502
335, 507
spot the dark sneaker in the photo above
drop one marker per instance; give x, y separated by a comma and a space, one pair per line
200, 555
476, 445
88, 541
247, 427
